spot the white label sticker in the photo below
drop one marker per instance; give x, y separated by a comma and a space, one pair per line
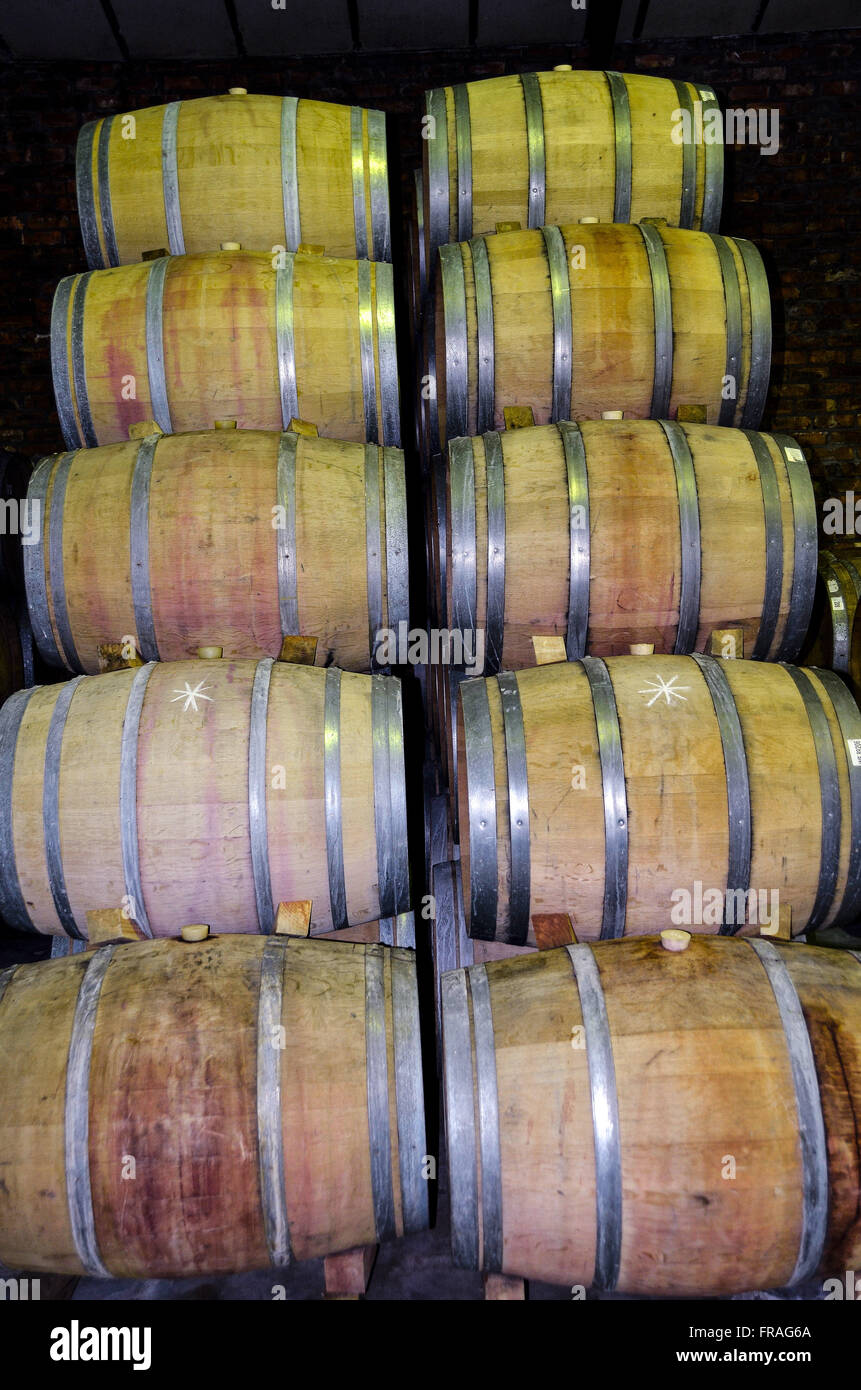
795, 454
833, 586
837, 605
854, 746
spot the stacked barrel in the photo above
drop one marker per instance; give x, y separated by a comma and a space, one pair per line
609, 532
642, 772
222, 545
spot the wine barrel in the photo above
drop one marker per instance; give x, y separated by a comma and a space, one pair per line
203, 791
229, 537
576, 320
658, 790
834, 639
657, 1122
552, 147
615, 532
208, 1107
259, 339
261, 170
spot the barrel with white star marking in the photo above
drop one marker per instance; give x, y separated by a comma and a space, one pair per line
203, 791
655, 791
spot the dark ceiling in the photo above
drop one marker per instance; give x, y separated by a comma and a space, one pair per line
111, 30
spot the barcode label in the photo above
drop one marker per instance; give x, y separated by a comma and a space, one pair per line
837, 604
795, 454
854, 746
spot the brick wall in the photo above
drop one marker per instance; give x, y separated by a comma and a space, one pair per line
802, 206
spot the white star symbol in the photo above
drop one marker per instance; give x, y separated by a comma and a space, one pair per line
190, 696
659, 687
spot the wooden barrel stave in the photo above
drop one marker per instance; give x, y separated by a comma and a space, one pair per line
632, 508
203, 1120
263, 171
186, 340
777, 1215
208, 545
834, 638
602, 146
783, 819
584, 298
225, 804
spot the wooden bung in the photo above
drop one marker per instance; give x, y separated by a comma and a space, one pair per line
197, 931
674, 940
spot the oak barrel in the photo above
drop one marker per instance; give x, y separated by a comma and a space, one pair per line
834, 639
265, 171
232, 335
209, 1107
551, 147
612, 532
231, 537
575, 320
658, 790
203, 791
657, 1122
